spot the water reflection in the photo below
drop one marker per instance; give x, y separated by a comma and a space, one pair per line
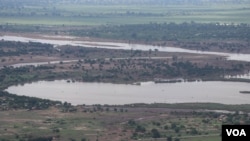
147, 92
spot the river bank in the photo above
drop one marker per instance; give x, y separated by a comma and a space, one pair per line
214, 45
99, 62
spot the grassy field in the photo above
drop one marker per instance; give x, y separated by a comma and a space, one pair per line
206, 138
105, 123
116, 123
79, 14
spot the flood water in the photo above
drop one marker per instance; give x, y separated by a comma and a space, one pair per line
148, 92
106, 93
125, 46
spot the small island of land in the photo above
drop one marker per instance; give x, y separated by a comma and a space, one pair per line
245, 92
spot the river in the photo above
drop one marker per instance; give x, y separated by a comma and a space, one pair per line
125, 46
107, 93
148, 92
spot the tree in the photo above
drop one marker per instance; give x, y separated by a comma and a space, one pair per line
177, 130
166, 127
173, 125
155, 133
169, 138
131, 122
193, 131
42, 139
176, 139
140, 128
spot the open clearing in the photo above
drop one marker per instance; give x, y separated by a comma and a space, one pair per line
105, 123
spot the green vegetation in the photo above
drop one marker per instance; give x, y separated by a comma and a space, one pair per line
169, 32
94, 122
97, 122
203, 138
84, 12
10, 101
19, 48
103, 65
110, 70
197, 106
183, 126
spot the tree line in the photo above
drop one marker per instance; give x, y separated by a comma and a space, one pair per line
169, 32
9, 48
10, 101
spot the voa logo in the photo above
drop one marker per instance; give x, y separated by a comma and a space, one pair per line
236, 132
